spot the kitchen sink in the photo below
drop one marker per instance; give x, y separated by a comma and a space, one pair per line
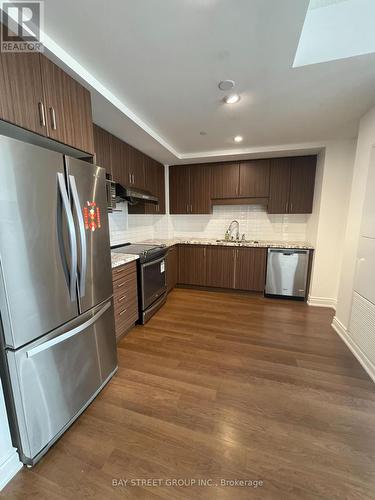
238, 242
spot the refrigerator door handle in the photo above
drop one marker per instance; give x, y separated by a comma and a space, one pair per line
71, 333
72, 236
82, 235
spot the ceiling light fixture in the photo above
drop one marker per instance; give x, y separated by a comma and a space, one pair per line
238, 138
226, 84
232, 98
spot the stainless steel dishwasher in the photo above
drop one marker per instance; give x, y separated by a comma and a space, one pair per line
287, 270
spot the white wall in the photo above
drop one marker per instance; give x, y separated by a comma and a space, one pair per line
327, 225
366, 140
254, 222
9, 462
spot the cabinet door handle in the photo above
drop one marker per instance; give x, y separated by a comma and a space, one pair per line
53, 118
133, 178
191, 209
187, 208
130, 178
121, 284
291, 207
122, 298
123, 312
286, 207
204, 252
42, 115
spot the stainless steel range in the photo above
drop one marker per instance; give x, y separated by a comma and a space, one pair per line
152, 284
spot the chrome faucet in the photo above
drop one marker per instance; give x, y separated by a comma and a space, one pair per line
231, 227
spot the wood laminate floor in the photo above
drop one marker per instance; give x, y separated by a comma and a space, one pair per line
221, 386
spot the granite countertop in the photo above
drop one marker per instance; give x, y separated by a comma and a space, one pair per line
119, 259
252, 243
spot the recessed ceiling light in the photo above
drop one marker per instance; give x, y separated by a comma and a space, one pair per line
226, 84
232, 98
202, 132
238, 138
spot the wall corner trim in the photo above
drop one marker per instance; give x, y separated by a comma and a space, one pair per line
9, 468
343, 333
322, 302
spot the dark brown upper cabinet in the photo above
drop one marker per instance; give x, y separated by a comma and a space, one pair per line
200, 186
102, 147
189, 189
155, 183
21, 94
225, 180
179, 189
39, 96
67, 108
302, 183
134, 164
119, 172
278, 202
285, 185
254, 179
131, 168
292, 183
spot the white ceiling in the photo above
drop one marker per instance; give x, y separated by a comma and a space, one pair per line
153, 67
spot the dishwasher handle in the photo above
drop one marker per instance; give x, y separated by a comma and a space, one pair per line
289, 251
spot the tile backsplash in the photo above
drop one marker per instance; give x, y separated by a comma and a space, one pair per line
254, 222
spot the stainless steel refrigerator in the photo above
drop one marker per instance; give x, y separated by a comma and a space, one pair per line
57, 331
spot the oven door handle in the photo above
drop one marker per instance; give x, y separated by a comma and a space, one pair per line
152, 262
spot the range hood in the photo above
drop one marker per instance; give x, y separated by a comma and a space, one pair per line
134, 195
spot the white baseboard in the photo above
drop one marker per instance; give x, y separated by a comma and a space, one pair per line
9, 468
356, 350
322, 302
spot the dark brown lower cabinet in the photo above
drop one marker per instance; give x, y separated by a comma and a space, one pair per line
220, 266
192, 265
250, 269
125, 297
172, 267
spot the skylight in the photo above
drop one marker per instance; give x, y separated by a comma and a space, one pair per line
336, 29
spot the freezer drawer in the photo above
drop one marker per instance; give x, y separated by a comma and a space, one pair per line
287, 272
54, 379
